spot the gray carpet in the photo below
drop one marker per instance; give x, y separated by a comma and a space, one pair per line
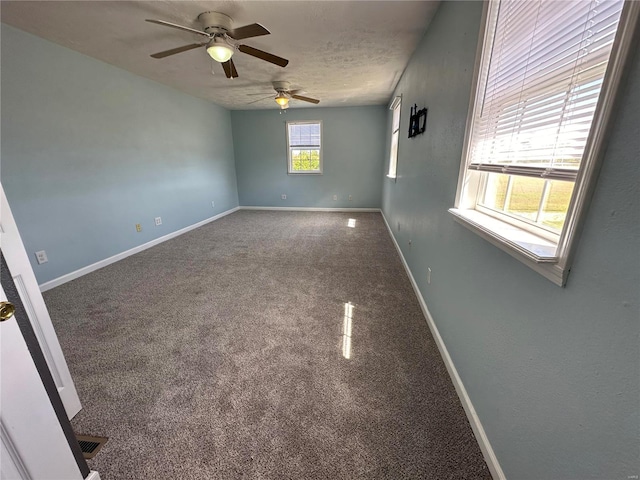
220, 354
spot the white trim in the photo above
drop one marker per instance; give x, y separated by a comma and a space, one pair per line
108, 261
474, 420
93, 475
521, 223
534, 247
312, 209
462, 174
548, 269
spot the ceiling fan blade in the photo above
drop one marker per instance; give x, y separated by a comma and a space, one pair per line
260, 99
234, 72
305, 99
248, 31
179, 27
173, 51
267, 57
230, 69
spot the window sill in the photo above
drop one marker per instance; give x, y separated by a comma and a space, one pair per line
392, 177
535, 252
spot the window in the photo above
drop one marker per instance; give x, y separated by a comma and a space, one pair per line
395, 134
546, 78
303, 143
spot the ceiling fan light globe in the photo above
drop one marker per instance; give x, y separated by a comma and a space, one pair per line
219, 51
282, 101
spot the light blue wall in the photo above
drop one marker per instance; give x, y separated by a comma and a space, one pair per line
552, 372
89, 150
353, 152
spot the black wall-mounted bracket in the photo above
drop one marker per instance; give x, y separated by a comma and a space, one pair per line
417, 121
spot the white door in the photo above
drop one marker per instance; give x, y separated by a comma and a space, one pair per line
25, 280
32, 443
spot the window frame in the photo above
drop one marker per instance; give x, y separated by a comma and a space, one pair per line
512, 235
290, 170
396, 105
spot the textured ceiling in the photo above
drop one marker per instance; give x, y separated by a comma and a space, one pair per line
344, 53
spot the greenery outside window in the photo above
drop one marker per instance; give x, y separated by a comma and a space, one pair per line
304, 147
546, 77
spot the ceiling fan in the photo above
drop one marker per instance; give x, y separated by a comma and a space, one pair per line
284, 94
217, 27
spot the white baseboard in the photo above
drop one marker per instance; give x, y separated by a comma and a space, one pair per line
312, 209
93, 475
476, 425
108, 261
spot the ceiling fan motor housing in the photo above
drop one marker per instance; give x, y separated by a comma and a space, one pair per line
214, 22
281, 86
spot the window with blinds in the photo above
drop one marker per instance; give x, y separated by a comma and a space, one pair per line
541, 83
304, 147
395, 137
541, 78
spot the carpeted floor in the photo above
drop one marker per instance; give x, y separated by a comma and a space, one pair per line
221, 354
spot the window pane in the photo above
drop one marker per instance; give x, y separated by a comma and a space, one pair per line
524, 196
314, 159
393, 160
396, 119
495, 192
298, 160
521, 196
305, 160
554, 210
304, 134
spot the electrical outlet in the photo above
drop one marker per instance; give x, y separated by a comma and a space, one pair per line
283, 196
335, 197
138, 227
429, 275
213, 204
350, 197
158, 221
41, 256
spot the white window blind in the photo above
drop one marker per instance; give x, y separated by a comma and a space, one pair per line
540, 84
